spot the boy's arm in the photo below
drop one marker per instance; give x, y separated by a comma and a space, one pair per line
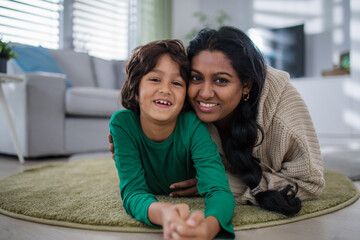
134, 190
212, 181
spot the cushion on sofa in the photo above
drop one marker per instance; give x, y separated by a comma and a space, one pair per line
92, 102
77, 66
37, 59
120, 73
104, 73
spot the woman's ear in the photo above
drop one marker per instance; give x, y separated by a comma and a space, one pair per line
247, 86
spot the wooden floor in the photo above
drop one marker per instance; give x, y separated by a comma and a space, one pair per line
343, 224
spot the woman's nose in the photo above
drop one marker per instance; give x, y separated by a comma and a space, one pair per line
206, 91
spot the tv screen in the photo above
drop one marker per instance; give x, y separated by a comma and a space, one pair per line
282, 48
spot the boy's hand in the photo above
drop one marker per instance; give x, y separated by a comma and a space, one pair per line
196, 227
174, 214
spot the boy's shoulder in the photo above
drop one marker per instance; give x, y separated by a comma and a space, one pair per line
189, 115
189, 118
123, 115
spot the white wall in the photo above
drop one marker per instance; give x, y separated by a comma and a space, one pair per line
331, 104
184, 21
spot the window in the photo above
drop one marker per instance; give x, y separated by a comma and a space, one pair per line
32, 22
98, 27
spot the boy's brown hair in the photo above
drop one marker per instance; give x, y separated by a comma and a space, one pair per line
143, 60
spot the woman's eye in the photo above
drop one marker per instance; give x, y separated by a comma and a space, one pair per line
195, 78
221, 80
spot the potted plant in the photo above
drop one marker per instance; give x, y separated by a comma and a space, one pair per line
6, 54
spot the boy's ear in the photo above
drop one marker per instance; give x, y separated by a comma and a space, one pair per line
247, 86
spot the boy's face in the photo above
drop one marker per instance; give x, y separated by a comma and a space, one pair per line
162, 92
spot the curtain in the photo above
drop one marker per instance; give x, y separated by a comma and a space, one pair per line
154, 20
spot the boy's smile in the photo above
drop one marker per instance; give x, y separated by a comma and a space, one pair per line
163, 103
162, 93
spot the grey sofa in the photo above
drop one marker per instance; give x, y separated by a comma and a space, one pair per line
51, 119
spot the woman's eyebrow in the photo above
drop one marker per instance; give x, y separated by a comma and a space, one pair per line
194, 70
223, 73
218, 73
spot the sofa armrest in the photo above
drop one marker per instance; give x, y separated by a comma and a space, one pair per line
38, 112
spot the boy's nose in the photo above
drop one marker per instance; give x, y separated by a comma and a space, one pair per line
165, 89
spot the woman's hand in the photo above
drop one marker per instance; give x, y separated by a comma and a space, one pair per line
187, 188
111, 146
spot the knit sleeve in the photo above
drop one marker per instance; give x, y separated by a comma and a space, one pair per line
290, 153
134, 190
212, 183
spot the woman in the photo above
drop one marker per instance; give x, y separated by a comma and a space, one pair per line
258, 120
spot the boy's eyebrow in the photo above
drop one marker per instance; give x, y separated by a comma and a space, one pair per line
159, 71
218, 73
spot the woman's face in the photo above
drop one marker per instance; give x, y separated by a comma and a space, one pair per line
215, 89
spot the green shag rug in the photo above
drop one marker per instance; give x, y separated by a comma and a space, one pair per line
85, 194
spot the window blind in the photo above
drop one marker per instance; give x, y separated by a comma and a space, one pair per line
32, 22
100, 27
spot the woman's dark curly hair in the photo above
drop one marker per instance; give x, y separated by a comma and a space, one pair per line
249, 65
143, 60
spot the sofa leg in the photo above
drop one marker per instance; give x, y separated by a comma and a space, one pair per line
10, 123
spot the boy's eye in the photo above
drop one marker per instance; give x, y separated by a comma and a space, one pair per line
154, 79
176, 83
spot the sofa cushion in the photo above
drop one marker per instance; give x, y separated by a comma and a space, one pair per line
77, 66
37, 59
120, 73
104, 73
92, 102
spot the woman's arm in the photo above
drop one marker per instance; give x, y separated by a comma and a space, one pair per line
185, 188
111, 146
290, 152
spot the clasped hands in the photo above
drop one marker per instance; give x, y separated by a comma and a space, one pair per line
178, 223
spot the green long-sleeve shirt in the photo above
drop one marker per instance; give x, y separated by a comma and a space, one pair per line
147, 168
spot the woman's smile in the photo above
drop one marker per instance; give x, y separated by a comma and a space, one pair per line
207, 107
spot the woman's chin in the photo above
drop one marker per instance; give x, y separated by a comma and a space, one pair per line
206, 117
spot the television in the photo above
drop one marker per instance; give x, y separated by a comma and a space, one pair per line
282, 48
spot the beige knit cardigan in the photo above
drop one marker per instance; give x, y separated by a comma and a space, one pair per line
289, 153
